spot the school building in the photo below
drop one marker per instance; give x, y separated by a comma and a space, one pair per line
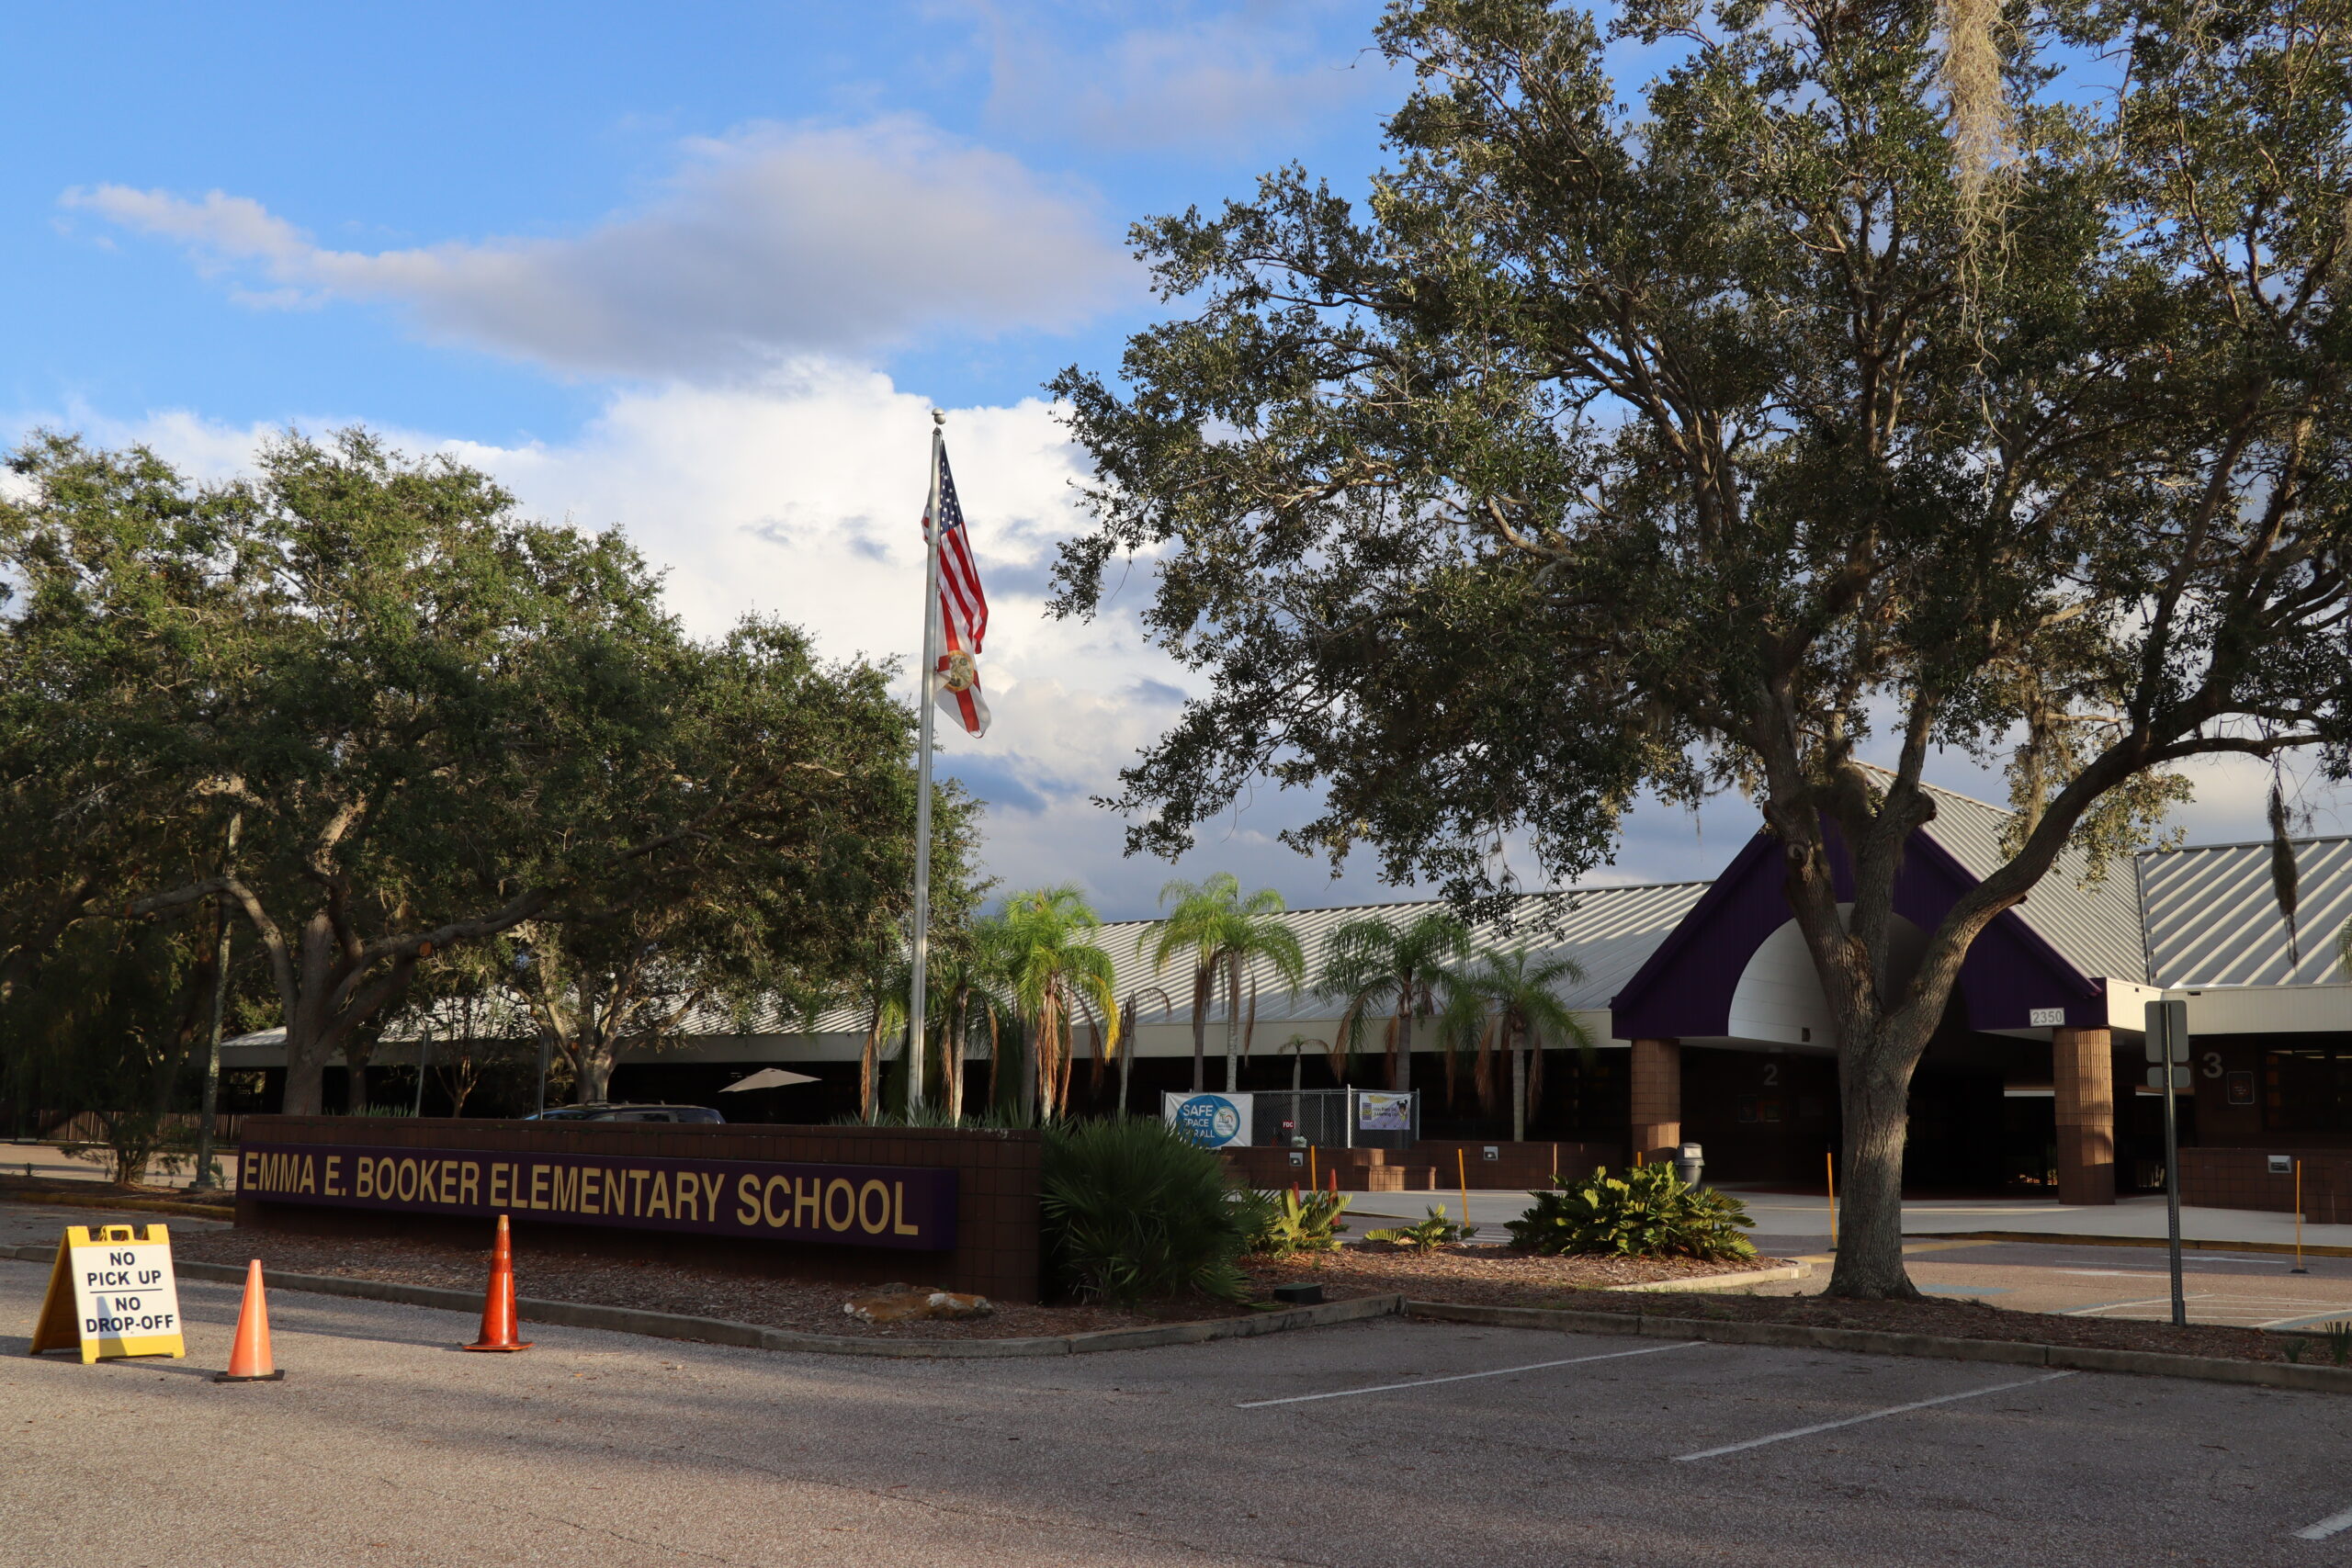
1708, 1026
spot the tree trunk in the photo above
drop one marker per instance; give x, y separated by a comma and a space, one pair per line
953, 1046
865, 1063
1519, 1094
1201, 979
355, 1084
1400, 1062
1232, 1023
1875, 1082
595, 1072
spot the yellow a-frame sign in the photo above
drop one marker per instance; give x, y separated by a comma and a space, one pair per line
112, 1294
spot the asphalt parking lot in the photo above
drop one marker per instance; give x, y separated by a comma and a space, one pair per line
1385, 1443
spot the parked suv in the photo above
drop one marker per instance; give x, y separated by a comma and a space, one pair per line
599, 1112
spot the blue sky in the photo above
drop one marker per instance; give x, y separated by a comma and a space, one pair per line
698, 270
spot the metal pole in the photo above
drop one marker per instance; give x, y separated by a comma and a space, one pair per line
2172, 1191
208, 1175
924, 693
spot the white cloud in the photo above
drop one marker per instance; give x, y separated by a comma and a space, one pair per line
1229, 80
774, 241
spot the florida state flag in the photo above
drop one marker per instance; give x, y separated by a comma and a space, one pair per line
963, 612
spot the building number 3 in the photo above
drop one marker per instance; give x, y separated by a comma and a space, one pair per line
2212, 1064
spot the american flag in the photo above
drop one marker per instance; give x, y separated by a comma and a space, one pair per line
963, 613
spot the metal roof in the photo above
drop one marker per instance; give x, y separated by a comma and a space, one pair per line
2213, 919
1608, 931
2094, 925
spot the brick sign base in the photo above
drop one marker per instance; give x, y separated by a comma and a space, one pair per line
855, 1204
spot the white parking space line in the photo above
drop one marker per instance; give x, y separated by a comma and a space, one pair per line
2118, 1306
2327, 1527
1465, 1377
1871, 1416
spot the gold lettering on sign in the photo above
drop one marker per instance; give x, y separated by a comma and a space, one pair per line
334, 1173
406, 1177
538, 1186
469, 1181
248, 1168
849, 1205
636, 1193
712, 1186
805, 1196
592, 1197
746, 1194
899, 1225
869, 1219
659, 1202
566, 1195
501, 1194
310, 1171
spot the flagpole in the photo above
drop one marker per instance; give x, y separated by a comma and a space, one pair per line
924, 696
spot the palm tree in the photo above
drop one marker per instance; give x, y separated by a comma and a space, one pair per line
970, 981
1222, 932
1510, 998
885, 994
1372, 964
1055, 970
1134, 1018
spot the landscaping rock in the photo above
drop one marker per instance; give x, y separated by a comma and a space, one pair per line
906, 1304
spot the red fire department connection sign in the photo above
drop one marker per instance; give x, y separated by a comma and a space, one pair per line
847, 1205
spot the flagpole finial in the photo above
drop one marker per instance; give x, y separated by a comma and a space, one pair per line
939, 416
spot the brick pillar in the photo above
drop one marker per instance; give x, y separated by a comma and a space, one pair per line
2081, 1074
1656, 1108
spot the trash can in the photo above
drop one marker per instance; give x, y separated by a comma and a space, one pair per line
1689, 1161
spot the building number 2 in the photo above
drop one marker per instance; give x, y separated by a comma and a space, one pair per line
1772, 1074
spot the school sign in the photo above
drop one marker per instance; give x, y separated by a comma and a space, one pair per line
845, 1205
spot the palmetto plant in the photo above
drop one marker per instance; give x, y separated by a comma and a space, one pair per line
1372, 966
1222, 932
1056, 971
1509, 1001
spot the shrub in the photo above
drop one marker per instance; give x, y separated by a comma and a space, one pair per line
1133, 1209
1424, 1236
131, 1141
1649, 1211
1283, 1223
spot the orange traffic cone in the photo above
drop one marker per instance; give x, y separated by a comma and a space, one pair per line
498, 1306
249, 1358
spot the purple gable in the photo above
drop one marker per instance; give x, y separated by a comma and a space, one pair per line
1685, 989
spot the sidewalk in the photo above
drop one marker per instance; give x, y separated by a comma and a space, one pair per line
53, 1164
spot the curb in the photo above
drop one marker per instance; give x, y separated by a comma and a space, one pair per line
122, 1201
2062, 1238
1873, 1342
1800, 1270
758, 1336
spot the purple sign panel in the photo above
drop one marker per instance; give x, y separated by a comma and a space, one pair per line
848, 1205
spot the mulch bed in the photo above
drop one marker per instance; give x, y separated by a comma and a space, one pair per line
1482, 1276
39, 1189
810, 1306
1489, 1277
